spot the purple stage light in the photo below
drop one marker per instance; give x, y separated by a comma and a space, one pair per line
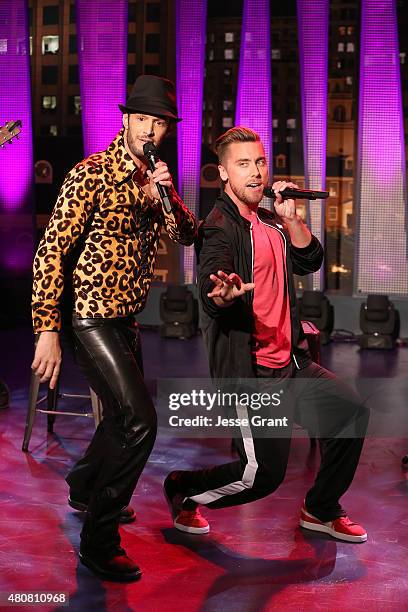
381, 233
190, 44
102, 55
313, 27
16, 257
254, 93
16, 161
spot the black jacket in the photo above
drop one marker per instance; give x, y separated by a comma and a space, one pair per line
226, 244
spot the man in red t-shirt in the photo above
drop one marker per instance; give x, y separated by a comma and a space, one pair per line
251, 328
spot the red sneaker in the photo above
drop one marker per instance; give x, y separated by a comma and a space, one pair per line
191, 521
341, 528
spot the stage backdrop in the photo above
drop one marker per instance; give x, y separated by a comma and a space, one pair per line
16, 160
16, 165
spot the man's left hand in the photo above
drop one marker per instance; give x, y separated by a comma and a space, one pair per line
286, 209
160, 175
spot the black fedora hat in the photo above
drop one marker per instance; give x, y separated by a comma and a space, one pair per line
152, 95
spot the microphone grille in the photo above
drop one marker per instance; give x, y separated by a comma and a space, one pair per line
149, 149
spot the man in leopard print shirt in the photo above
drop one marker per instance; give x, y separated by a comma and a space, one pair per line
110, 200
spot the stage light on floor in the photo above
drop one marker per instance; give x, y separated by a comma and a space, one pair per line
179, 313
379, 322
315, 307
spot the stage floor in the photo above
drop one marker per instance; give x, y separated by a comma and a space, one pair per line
255, 558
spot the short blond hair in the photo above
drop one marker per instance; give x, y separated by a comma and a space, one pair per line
235, 134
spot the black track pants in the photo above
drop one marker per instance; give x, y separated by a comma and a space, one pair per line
323, 404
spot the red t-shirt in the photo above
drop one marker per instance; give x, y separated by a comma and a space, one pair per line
272, 328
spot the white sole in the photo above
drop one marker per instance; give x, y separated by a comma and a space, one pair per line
197, 530
332, 532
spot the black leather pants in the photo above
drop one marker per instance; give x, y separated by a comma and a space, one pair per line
109, 353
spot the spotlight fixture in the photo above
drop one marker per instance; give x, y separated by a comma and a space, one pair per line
179, 312
316, 308
379, 322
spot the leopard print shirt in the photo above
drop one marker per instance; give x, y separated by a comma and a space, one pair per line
102, 198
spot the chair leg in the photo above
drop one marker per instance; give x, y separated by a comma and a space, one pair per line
32, 405
52, 399
96, 407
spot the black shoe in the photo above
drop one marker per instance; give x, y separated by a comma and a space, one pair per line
110, 565
127, 514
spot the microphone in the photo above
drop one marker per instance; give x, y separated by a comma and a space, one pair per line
289, 193
152, 157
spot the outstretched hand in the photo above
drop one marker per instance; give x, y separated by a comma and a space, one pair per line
227, 287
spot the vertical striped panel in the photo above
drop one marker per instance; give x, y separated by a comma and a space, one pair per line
381, 234
102, 55
16, 160
254, 93
313, 28
190, 45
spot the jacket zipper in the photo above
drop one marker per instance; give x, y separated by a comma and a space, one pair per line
286, 271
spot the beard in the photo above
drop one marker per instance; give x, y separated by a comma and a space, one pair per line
244, 195
134, 148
